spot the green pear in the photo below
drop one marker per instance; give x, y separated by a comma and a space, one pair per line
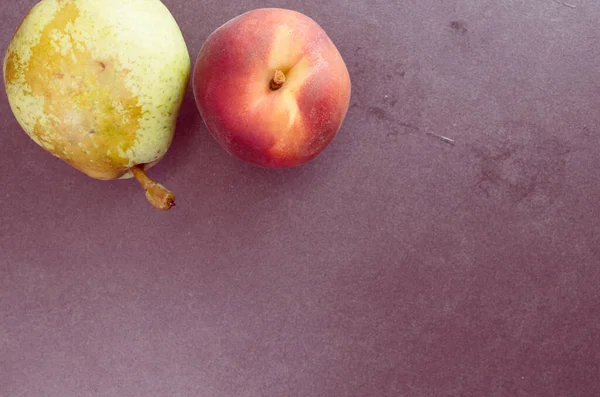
99, 84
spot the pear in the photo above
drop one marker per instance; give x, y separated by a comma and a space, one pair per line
99, 84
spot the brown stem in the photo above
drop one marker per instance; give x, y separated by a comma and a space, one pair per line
277, 80
158, 195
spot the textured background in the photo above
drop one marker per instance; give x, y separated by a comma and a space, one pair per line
395, 264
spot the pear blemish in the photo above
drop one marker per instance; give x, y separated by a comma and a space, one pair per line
85, 90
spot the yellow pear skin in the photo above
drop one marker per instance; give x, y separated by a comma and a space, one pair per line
99, 84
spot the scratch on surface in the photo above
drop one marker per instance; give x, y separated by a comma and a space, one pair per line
443, 138
565, 4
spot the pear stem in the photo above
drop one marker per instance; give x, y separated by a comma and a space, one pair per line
278, 80
158, 195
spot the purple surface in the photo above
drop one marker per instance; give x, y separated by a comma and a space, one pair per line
395, 264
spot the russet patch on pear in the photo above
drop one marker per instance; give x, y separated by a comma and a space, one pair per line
99, 85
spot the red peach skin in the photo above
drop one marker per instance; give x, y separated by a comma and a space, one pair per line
271, 87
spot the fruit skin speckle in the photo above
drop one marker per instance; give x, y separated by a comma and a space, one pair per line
121, 71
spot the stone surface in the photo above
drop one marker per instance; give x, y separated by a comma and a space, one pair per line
395, 264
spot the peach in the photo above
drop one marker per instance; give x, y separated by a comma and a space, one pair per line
271, 87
